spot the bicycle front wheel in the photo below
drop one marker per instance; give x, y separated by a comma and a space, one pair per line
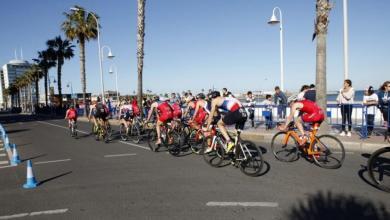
215, 156
252, 158
136, 133
195, 141
284, 147
329, 152
379, 168
174, 148
123, 132
152, 138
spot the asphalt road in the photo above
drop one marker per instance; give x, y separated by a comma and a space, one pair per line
85, 179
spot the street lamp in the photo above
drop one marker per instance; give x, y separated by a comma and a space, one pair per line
274, 20
116, 80
346, 59
69, 84
99, 48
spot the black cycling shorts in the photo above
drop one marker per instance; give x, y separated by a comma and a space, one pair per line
237, 117
101, 115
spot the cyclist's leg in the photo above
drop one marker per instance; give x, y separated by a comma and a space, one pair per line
158, 129
221, 126
299, 124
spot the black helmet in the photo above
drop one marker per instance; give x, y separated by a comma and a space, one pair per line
214, 94
156, 98
200, 96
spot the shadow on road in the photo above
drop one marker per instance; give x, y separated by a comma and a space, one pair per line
34, 157
325, 206
55, 177
16, 131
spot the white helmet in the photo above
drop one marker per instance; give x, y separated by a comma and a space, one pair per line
292, 98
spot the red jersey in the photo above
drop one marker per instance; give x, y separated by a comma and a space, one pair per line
72, 114
165, 111
311, 111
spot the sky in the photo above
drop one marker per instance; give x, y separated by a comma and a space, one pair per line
195, 44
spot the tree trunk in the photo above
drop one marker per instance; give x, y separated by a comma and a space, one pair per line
37, 92
140, 48
45, 78
83, 74
59, 81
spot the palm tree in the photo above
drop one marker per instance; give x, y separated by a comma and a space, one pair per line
140, 47
323, 8
59, 50
83, 27
45, 64
33, 75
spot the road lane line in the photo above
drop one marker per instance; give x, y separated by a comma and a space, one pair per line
3, 155
7, 166
131, 144
52, 161
135, 145
3, 162
119, 155
246, 204
59, 126
47, 212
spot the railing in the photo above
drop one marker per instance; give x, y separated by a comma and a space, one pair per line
271, 114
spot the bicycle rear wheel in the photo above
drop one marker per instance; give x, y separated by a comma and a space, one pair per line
216, 156
195, 141
74, 129
252, 158
284, 148
107, 134
152, 138
174, 148
330, 153
136, 133
379, 168
123, 132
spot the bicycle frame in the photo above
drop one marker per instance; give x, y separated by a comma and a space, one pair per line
309, 150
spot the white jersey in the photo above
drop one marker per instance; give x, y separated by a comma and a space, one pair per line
126, 109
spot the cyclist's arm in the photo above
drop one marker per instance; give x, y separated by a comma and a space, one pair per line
212, 111
66, 114
151, 110
294, 108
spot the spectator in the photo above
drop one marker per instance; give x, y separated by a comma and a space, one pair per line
301, 95
311, 93
384, 104
370, 100
280, 101
251, 107
345, 100
268, 111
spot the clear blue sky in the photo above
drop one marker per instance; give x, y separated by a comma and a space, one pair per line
194, 44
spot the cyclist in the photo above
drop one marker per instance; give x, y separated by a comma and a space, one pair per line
92, 112
164, 114
125, 112
202, 109
101, 114
176, 109
71, 115
191, 104
235, 114
309, 112
136, 110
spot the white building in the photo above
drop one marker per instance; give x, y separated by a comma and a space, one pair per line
8, 73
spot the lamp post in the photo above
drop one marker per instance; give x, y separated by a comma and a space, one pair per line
69, 84
346, 59
116, 80
99, 48
275, 20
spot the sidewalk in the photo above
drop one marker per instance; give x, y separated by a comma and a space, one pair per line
260, 134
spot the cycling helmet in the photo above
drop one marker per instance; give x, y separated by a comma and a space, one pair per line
156, 98
292, 98
214, 94
71, 106
200, 96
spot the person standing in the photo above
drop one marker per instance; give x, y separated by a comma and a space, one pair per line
384, 104
280, 101
345, 100
250, 103
267, 113
370, 101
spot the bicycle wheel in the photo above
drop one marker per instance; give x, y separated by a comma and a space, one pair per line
123, 132
216, 156
74, 129
378, 166
136, 133
330, 152
174, 148
195, 141
152, 138
107, 134
251, 158
284, 148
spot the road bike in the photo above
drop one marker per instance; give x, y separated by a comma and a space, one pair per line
170, 138
102, 132
325, 150
73, 128
245, 155
134, 130
378, 167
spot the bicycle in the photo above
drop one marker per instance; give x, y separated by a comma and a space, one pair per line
73, 129
378, 166
102, 132
323, 149
169, 139
134, 131
246, 155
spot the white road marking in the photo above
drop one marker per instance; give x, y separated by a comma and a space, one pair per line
119, 155
8, 166
48, 212
135, 145
52, 161
246, 204
2, 148
3, 162
84, 132
59, 126
3, 155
